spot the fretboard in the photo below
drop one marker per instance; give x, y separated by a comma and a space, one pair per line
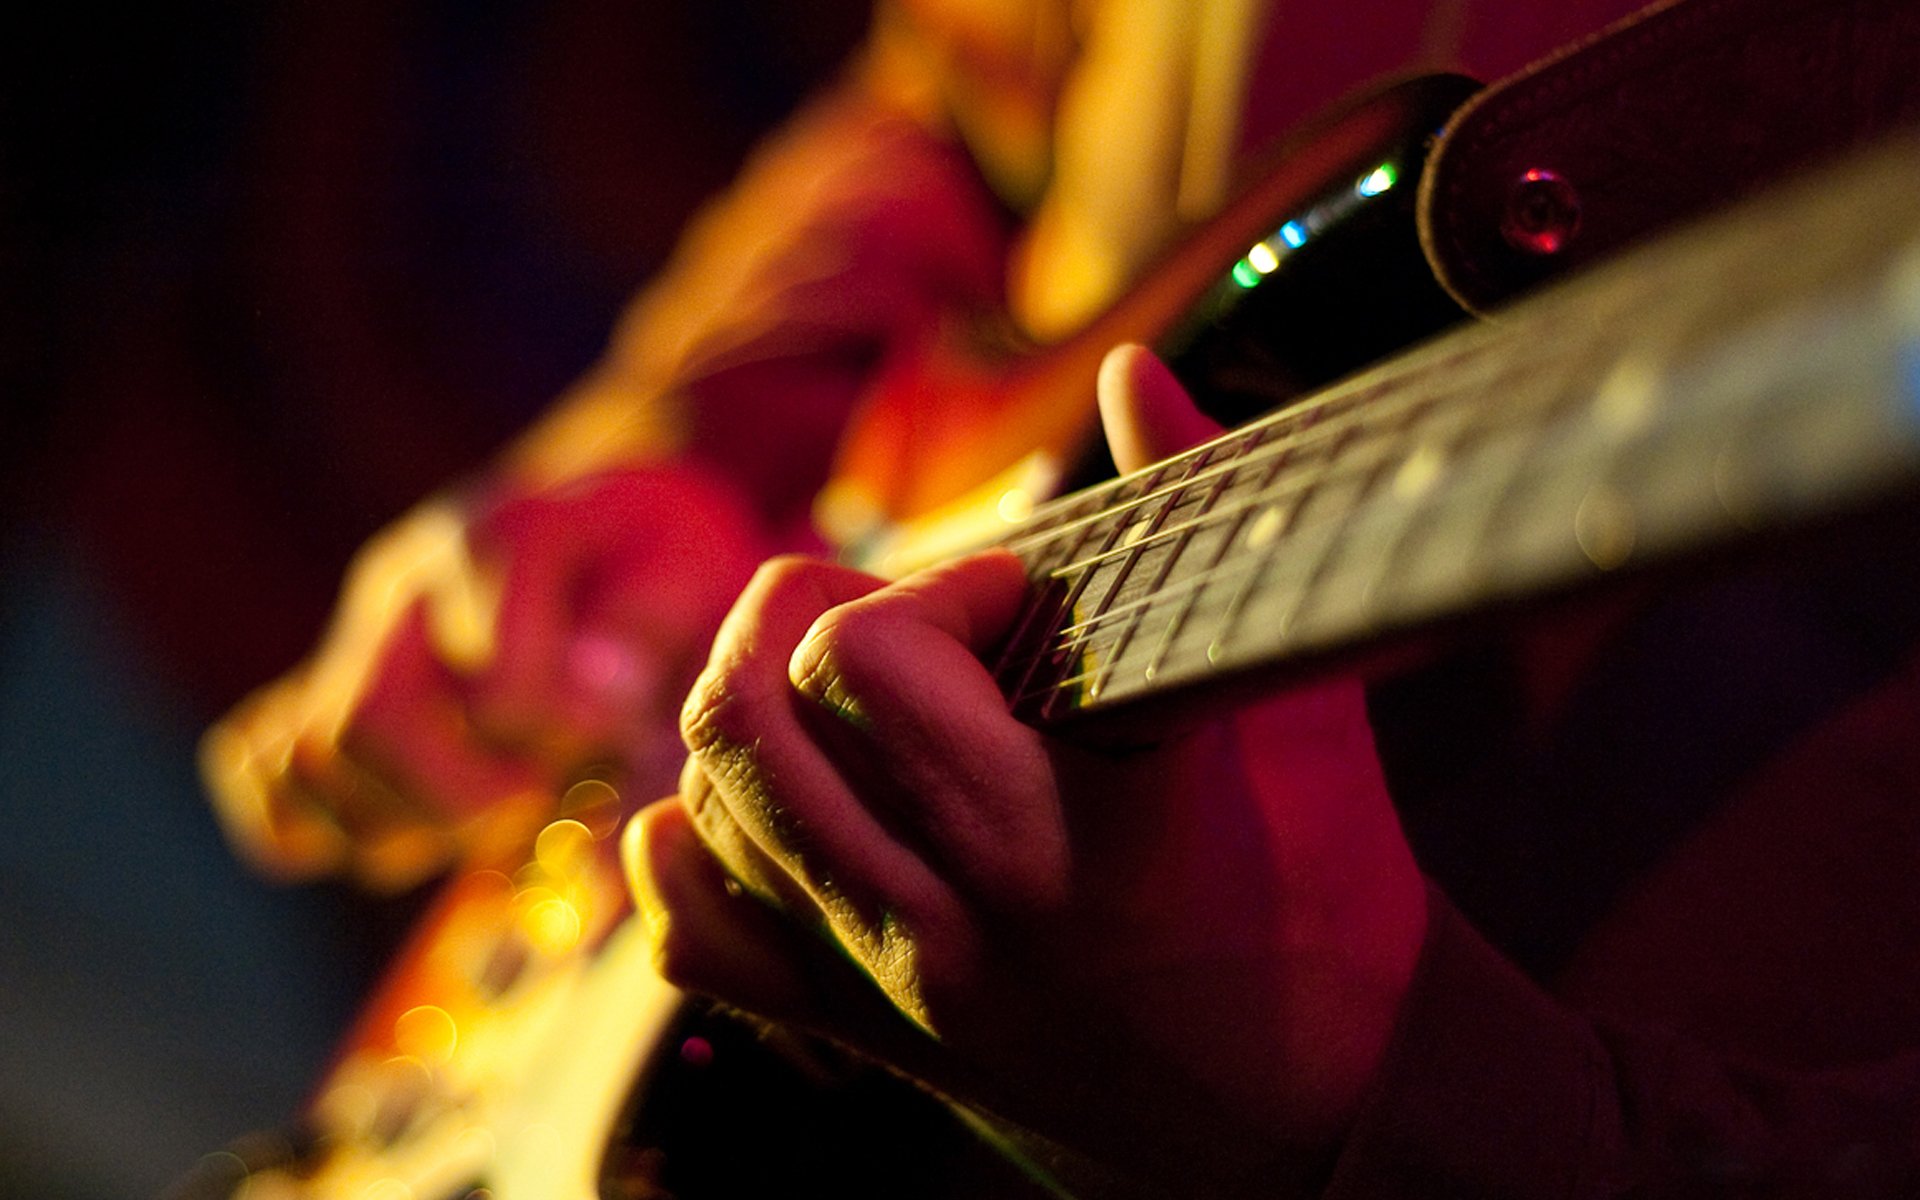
1751, 375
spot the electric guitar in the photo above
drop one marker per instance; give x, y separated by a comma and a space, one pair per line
1752, 378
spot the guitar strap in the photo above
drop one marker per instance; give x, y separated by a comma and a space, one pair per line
1678, 110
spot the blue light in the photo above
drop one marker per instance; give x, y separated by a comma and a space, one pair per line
1294, 234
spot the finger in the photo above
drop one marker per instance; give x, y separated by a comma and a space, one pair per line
1147, 413
745, 860
746, 727
900, 669
614, 585
390, 842
710, 938
708, 935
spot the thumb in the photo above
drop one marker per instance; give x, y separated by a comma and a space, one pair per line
1147, 413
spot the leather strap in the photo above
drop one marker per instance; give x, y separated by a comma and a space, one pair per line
1682, 108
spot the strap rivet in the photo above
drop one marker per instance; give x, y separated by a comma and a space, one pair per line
1542, 213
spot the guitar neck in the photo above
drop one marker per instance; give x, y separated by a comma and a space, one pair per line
1749, 376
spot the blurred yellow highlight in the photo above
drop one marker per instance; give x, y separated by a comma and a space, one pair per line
561, 847
549, 922
594, 803
427, 1032
387, 1189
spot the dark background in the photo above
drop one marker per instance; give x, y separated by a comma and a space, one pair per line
269, 273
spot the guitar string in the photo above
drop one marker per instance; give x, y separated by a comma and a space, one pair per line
1084, 532
1502, 458
1332, 419
1279, 442
1191, 598
1136, 549
1532, 410
1117, 522
1417, 414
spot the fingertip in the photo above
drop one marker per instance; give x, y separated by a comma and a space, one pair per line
706, 935
1118, 391
1118, 370
1145, 410
650, 834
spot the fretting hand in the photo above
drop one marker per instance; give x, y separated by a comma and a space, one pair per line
1183, 961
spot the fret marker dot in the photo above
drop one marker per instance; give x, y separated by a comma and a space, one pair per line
1135, 532
1418, 474
1264, 529
1015, 506
1626, 399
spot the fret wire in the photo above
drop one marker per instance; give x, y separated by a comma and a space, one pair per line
1234, 515
1072, 595
1190, 587
1196, 580
1068, 654
1237, 515
1468, 447
1305, 483
1545, 415
1480, 421
1024, 629
1371, 507
1329, 423
1175, 497
1532, 410
1239, 598
1016, 543
1018, 539
1523, 455
1191, 595
1032, 549
1282, 433
1265, 498
1417, 413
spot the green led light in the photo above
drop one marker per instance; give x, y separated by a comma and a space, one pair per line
1246, 274
1382, 179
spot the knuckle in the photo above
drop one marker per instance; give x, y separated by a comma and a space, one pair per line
718, 711
701, 799
845, 643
